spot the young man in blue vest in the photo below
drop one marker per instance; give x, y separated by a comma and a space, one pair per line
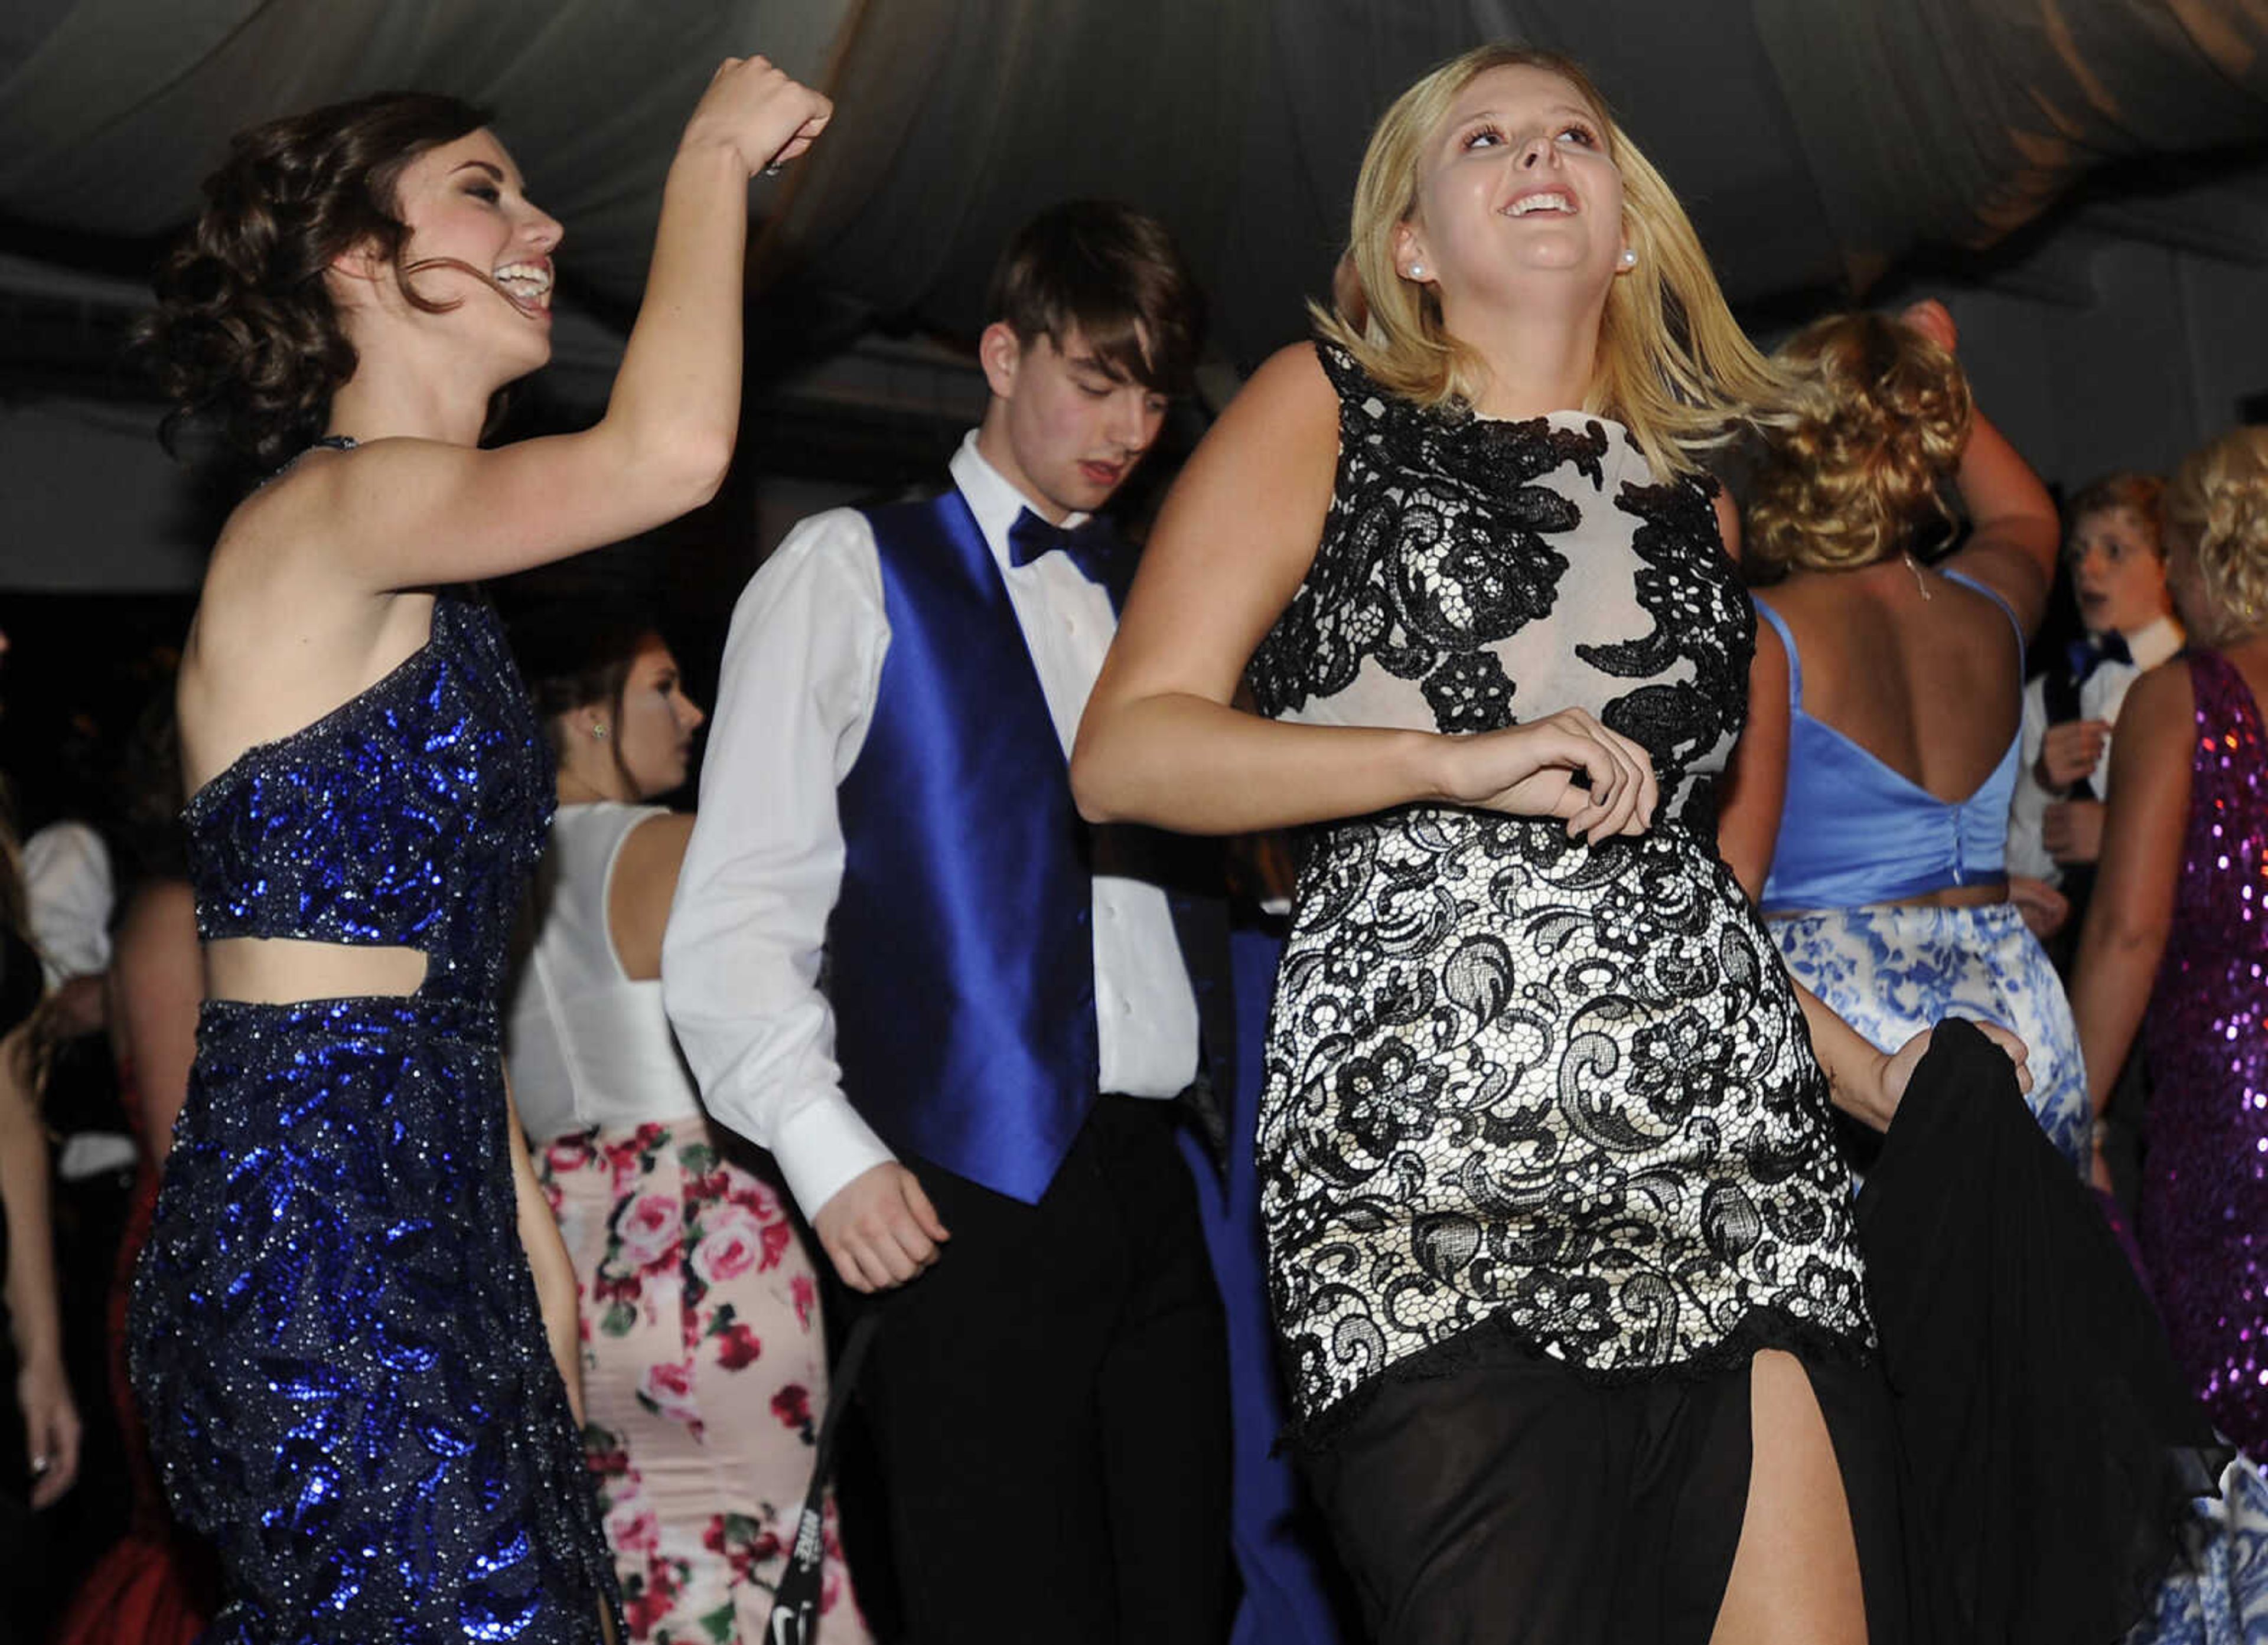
976, 1112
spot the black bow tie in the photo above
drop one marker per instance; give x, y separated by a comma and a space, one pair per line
2085, 656
1091, 544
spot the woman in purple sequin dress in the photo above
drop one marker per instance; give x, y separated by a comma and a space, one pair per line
2177, 942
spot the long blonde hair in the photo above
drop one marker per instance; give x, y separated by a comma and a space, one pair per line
2217, 499
1673, 365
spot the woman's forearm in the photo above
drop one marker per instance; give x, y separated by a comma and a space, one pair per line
677, 396
2110, 994
1183, 762
32, 1308
557, 1293
1854, 1066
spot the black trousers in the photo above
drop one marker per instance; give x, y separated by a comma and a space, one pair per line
1051, 1404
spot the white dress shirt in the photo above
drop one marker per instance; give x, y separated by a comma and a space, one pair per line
2101, 696
740, 963
69, 894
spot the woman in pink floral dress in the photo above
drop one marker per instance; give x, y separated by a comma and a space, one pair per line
704, 1370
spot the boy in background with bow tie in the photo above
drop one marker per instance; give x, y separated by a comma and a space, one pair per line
977, 1113
2117, 565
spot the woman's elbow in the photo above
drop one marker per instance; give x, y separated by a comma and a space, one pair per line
1092, 775
702, 461
675, 469
2131, 936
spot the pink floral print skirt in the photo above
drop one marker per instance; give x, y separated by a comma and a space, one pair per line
704, 1378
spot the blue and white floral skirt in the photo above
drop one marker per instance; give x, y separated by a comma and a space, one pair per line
1891, 971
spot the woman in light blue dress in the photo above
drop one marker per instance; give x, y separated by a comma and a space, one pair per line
1867, 809
1869, 812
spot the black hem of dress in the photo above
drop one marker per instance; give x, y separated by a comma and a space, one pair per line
1762, 1328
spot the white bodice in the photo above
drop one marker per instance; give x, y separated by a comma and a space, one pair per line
586, 1045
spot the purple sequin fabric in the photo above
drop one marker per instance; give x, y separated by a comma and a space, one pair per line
334, 1331
2205, 1192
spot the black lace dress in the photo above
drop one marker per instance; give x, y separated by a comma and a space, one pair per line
1533, 1107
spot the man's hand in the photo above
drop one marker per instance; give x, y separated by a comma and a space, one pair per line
2069, 752
880, 1230
2072, 830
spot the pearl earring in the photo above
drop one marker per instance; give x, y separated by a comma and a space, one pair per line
1629, 257
1417, 271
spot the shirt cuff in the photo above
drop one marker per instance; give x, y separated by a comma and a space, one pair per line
821, 1147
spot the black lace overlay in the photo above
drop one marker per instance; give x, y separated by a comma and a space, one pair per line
1703, 620
1515, 1082
1436, 548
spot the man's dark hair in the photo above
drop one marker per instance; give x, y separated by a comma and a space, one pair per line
1115, 276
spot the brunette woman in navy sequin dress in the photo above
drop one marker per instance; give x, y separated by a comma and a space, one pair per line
2177, 940
352, 1330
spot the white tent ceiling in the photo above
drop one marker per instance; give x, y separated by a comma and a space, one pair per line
1817, 142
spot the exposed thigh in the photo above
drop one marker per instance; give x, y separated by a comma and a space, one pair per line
1795, 1574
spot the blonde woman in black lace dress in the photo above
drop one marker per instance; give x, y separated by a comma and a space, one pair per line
1562, 1256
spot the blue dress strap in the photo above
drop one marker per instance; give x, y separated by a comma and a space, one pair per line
1788, 644
1992, 594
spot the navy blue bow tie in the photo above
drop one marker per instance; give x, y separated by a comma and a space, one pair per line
2085, 656
1091, 544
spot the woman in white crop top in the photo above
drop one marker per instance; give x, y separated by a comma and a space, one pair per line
704, 1369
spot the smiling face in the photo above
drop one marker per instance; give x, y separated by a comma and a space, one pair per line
1514, 182
1064, 426
483, 245
2116, 572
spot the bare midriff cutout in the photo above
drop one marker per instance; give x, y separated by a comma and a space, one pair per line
288, 970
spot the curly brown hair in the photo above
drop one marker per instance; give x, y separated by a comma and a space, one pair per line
245, 335
1880, 416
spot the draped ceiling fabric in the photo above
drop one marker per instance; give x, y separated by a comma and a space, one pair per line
1815, 141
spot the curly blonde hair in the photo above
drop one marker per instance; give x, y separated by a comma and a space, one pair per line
1673, 366
2218, 503
1880, 415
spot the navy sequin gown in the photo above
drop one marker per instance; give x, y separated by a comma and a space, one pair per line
334, 1331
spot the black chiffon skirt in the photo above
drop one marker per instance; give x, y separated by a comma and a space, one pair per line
2014, 1464
1516, 1501
2049, 1446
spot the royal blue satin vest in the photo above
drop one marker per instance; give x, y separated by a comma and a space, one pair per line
961, 960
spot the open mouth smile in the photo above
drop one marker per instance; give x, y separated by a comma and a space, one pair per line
1540, 202
528, 285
